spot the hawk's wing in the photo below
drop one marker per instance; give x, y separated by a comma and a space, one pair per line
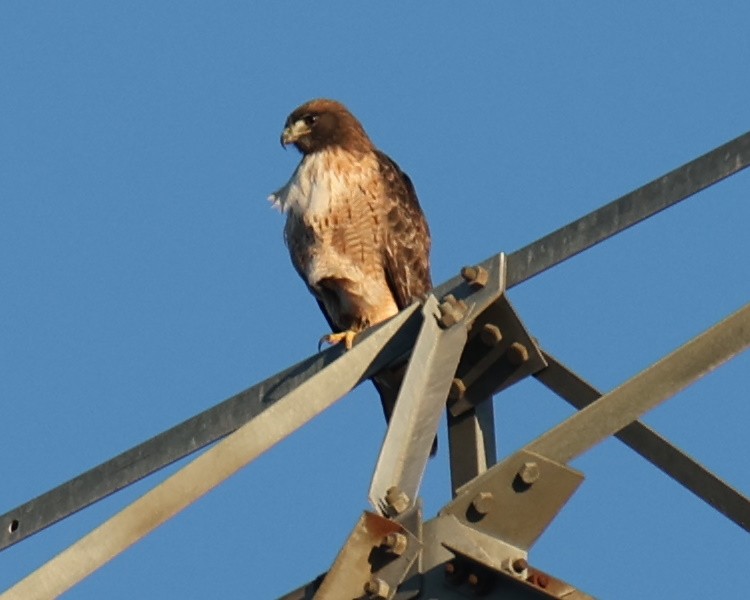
407, 241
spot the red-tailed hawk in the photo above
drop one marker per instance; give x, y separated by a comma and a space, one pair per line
355, 231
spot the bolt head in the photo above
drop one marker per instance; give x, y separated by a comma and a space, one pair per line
517, 354
520, 565
529, 472
490, 334
483, 502
457, 390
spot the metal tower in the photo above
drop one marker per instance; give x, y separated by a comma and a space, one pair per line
460, 347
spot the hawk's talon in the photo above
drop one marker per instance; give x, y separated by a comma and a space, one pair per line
336, 338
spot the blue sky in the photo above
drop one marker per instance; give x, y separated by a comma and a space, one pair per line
144, 277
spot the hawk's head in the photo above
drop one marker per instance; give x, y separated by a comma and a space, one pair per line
321, 124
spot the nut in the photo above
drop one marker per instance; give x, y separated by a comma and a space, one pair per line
451, 311
395, 543
396, 500
529, 472
477, 275
377, 589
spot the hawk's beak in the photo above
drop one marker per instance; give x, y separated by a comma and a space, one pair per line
294, 132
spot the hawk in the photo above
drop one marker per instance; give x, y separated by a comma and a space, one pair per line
355, 231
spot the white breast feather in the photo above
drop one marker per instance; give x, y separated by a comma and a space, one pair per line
313, 187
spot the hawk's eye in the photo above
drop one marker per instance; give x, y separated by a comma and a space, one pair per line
310, 120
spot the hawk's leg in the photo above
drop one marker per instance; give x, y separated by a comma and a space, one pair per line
336, 338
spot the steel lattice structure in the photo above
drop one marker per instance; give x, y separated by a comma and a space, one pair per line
464, 344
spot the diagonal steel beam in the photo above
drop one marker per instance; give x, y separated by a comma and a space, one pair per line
208, 470
651, 446
611, 219
179, 441
650, 387
416, 416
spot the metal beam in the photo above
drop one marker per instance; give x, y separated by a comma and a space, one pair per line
650, 387
471, 443
654, 448
179, 441
416, 416
208, 470
615, 217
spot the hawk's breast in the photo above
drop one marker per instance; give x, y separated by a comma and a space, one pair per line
335, 234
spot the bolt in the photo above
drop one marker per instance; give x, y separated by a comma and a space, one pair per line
458, 389
473, 579
477, 276
455, 572
451, 310
377, 589
529, 472
483, 502
520, 565
517, 354
396, 500
490, 334
542, 580
395, 543
449, 316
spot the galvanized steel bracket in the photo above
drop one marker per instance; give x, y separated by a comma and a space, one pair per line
377, 557
499, 353
516, 499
